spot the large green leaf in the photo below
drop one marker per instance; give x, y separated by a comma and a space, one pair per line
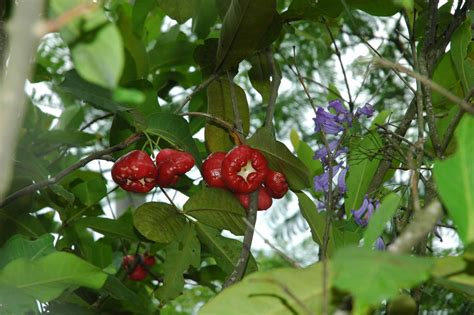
109, 227
183, 252
204, 17
377, 222
281, 159
282, 291
459, 48
158, 221
314, 10
174, 129
97, 96
20, 247
219, 104
87, 186
455, 180
316, 222
225, 250
260, 75
363, 163
101, 60
14, 301
180, 11
218, 208
377, 7
46, 278
373, 276
305, 154
243, 28
445, 75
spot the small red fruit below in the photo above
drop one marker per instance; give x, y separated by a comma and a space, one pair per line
244, 169
138, 274
212, 170
264, 199
135, 172
276, 184
171, 164
136, 266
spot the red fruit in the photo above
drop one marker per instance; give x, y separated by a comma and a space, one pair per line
135, 172
264, 199
138, 274
212, 169
244, 169
276, 184
149, 260
171, 164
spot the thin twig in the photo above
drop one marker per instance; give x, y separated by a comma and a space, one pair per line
200, 87
219, 121
55, 179
339, 57
280, 253
468, 107
93, 121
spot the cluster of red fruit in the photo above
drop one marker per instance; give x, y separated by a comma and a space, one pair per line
137, 266
136, 171
243, 170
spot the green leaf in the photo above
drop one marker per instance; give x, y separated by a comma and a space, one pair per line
313, 10
172, 49
218, 208
305, 154
109, 227
316, 222
13, 301
377, 222
445, 266
363, 163
455, 180
459, 46
46, 278
183, 252
377, 7
281, 159
279, 291
260, 75
205, 15
97, 96
20, 247
175, 130
158, 221
101, 60
462, 283
225, 250
374, 276
219, 102
445, 75
243, 27
181, 11
87, 186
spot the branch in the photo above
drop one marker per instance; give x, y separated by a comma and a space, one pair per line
219, 121
200, 87
23, 46
53, 180
423, 223
468, 107
241, 264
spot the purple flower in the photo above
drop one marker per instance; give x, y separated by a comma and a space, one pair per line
379, 244
321, 182
341, 180
322, 154
327, 122
342, 114
367, 110
365, 212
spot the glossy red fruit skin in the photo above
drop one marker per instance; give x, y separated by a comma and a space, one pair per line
171, 164
135, 172
276, 184
149, 260
264, 199
138, 273
212, 170
237, 160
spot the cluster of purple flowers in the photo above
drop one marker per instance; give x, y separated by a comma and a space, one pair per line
332, 123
